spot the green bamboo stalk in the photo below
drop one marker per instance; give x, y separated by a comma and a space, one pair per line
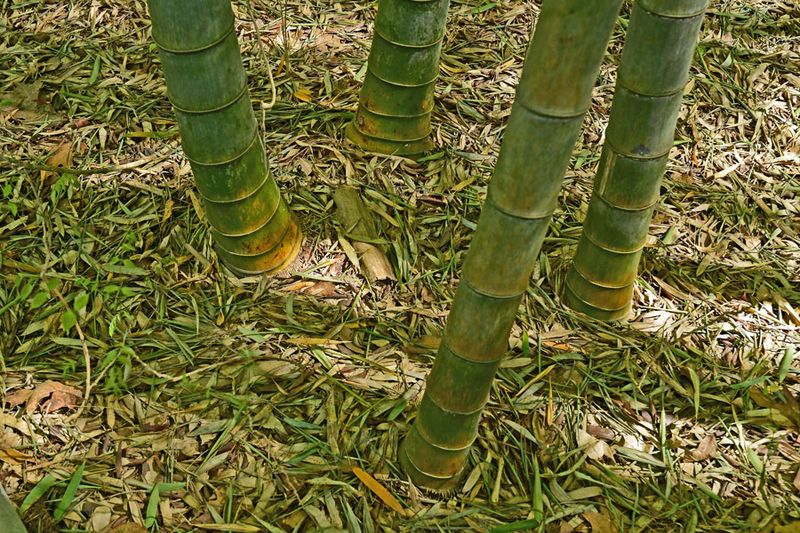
653, 71
553, 95
207, 86
396, 100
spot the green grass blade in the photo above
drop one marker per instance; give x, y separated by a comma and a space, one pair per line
41, 488
69, 494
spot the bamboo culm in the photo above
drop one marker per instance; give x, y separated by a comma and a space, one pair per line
554, 93
652, 74
396, 100
207, 86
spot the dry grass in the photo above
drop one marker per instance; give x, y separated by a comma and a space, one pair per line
215, 401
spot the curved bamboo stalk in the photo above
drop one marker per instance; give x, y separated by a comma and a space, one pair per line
555, 91
652, 73
207, 86
396, 100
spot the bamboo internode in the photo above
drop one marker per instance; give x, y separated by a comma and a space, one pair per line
652, 74
396, 100
553, 95
207, 86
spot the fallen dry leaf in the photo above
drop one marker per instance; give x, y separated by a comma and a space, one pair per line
168, 205
375, 263
130, 527
14, 457
60, 396
61, 158
325, 289
593, 448
707, 449
797, 480
557, 345
61, 399
600, 522
380, 491
566, 527
601, 432
304, 95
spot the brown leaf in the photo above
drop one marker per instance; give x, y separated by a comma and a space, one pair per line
600, 522
379, 490
62, 157
706, 449
61, 399
594, 448
19, 397
601, 432
326, 289
374, 262
129, 527
14, 457
60, 396
558, 345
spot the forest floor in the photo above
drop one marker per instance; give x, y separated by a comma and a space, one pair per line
144, 384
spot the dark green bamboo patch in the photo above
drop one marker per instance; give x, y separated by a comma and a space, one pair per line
207, 86
652, 73
396, 100
555, 91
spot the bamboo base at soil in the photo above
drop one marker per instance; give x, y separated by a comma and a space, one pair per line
207, 86
560, 68
652, 73
409, 149
396, 99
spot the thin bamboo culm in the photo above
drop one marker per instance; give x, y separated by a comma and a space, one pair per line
396, 100
207, 86
553, 95
652, 74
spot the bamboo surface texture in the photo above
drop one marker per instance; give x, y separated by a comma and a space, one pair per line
396, 100
652, 74
553, 95
207, 86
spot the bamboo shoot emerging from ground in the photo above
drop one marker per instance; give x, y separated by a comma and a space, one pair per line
554, 93
652, 73
207, 87
396, 100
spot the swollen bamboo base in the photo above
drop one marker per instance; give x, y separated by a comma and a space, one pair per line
652, 73
269, 262
410, 149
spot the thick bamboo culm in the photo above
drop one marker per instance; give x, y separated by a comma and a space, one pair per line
396, 100
553, 95
207, 86
652, 74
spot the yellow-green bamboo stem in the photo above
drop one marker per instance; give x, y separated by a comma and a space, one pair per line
207, 86
653, 71
553, 95
396, 100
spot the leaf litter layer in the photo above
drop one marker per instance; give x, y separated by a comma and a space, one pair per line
143, 384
